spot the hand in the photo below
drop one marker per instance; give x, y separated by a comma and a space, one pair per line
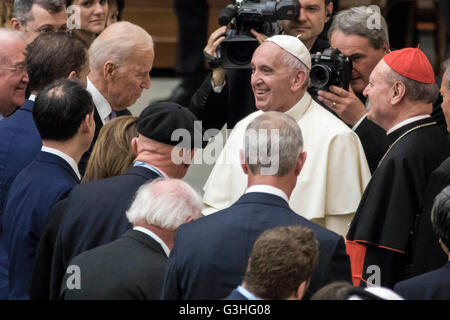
215, 39
259, 36
345, 103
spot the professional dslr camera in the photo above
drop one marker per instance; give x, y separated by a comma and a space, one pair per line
237, 49
331, 68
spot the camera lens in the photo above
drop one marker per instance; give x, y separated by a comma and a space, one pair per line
320, 75
241, 53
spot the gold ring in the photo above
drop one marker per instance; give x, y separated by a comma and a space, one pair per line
334, 104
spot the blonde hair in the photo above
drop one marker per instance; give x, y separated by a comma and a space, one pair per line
112, 154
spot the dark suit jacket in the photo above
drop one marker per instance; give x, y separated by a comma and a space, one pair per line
210, 254
42, 267
36, 189
131, 267
434, 285
19, 143
426, 253
98, 125
235, 295
94, 215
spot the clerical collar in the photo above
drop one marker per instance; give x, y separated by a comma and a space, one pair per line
155, 237
300, 108
101, 104
65, 157
246, 293
268, 189
407, 121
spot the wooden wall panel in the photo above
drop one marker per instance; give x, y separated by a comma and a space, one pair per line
158, 18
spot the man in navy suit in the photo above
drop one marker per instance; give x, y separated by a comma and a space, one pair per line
210, 255
160, 207
13, 83
49, 57
280, 265
63, 114
434, 285
94, 213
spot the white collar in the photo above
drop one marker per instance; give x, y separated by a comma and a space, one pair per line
246, 293
65, 157
407, 121
32, 97
101, 104
268, 189
299, 109
154, 237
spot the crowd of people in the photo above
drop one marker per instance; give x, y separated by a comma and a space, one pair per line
317, 194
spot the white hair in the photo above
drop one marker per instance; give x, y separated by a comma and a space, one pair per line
118, 43
166, 203
7, 36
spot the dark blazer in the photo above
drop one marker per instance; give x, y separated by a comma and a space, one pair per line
426, 253
131, 267
45, 181
94, 215
235, 295
98, 125
42, 267
210, 254
434, 285
19, 143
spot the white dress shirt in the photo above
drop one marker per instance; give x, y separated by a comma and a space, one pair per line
268, 189
101, 104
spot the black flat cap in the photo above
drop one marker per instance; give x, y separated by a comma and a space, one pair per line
171, 124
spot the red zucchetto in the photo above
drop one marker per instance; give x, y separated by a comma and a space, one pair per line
411, 63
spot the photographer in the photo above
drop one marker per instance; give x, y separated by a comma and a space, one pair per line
361, 34
226, 96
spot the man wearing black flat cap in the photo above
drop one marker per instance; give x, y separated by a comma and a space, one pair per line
94, 213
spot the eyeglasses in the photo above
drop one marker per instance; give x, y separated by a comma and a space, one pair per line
17, 69
48, 28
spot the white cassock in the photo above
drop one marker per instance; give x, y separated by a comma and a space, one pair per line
331, 182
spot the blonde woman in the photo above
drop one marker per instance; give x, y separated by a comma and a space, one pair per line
112, 154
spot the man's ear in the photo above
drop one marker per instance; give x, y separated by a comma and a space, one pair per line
329, 11
242, 161
301, 290
15, 24
85, 125
72, 76
134, 147
398, 92
300, 162
298, 81
109, 70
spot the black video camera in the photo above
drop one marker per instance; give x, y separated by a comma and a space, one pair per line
331, 68
237, 49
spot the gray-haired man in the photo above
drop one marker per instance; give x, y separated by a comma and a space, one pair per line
133, 266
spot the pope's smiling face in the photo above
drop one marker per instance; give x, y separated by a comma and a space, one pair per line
271, 78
